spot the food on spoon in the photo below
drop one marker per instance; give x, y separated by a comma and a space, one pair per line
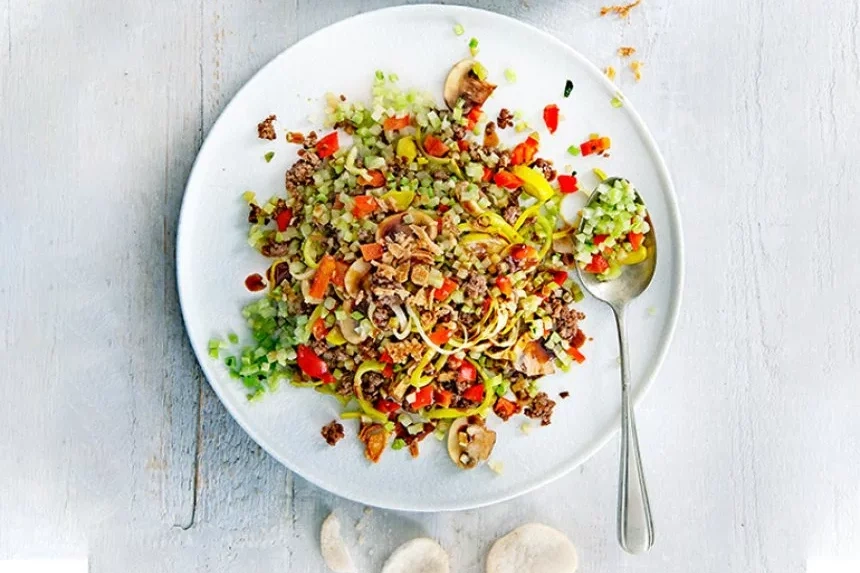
533, 548
333, 549
614, 230
420, 555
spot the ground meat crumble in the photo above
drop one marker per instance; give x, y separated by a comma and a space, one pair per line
540, 408
332, 432
505, 119
265, 129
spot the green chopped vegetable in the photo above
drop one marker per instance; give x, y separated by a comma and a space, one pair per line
480, 71
233, 338
398, 444
473, 47
568, 87
380, 75
616, 102
459, 29
268, 156
573, 150
511, 76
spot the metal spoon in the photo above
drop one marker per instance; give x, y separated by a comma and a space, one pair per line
635, 527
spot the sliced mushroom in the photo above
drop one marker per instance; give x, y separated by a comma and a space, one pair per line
375, 438
462, 82
394, 224
531, 358
470, 442
354, 275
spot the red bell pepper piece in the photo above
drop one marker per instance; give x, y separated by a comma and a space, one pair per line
504, 284
578, 340
395, 123
635, 239
443, 397
463, 145
597, 265
388, 371
567, 183
371, 251
507, 180
524, 153
364, 206
455, 362
474, 393
327, 145
488, 174
312, 365
282, 219
576, 354
521, 251
504, 408
339, 275
386, 406
374, 178
598, 239
434, 146
444, 291
550, 117
386, 358
559, 277
589, 147
440, 336
319, 329
467, 372
423, 397
323, 276
473, 117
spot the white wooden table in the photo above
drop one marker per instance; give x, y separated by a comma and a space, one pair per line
113, 448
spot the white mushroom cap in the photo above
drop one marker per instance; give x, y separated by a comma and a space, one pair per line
533, 548
420, 555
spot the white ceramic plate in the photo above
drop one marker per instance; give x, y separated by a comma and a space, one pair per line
213, 257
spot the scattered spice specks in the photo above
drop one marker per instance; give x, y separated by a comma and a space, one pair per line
622, 10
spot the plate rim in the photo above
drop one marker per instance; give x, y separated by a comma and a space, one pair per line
676, 280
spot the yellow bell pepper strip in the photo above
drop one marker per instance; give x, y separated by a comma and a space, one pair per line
335, 337
526, 215
546, 227
406, 148
399, 200
493, 222
534, 183
308, 254
367, 407
633, 257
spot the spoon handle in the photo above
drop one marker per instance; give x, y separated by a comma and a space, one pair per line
635, 527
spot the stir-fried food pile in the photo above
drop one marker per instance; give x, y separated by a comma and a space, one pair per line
419, 271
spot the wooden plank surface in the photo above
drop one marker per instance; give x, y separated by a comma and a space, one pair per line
113, 446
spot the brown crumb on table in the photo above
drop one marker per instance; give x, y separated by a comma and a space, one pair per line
563, 395
265, 129
610, 72
636, 68
332, 432
623, 10
626, 51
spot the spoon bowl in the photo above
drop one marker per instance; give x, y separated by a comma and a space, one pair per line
634, 279
635, 526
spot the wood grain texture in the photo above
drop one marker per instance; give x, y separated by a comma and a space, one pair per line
114, 447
